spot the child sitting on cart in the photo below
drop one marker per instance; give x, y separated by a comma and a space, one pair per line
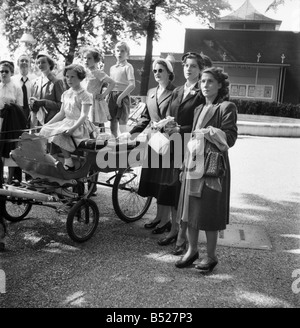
70, 125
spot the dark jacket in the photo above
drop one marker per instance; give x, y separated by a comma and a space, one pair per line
14, 120
51, 92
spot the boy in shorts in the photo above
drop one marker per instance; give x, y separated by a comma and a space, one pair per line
118, 99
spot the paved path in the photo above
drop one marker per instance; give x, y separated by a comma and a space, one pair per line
122, 265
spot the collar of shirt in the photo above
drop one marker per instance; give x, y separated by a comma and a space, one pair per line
122, 63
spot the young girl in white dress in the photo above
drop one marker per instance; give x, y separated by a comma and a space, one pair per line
94, 82
71, 122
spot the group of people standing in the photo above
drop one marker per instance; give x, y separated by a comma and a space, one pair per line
188, 204
202, 117
64, 110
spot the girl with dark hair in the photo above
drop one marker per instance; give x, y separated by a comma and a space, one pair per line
71, 124
46, 92
204, 200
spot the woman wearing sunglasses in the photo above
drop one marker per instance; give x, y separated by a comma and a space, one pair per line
12, 118
155, 110
182, 104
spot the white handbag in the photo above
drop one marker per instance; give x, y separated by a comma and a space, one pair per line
159, 142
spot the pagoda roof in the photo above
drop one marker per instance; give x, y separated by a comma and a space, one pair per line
247, 13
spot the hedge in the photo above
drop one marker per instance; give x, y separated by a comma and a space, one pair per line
267, 108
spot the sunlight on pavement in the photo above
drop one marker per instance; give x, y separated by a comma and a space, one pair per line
76, 299
32, 236
54, 247
260, 299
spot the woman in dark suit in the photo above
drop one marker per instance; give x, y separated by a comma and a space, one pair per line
206, 199
46, 92
155, 110
183, 102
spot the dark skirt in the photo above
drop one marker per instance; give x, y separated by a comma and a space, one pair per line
210, 212
154, 183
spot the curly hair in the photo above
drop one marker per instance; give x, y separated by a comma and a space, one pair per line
222, 77
79, 69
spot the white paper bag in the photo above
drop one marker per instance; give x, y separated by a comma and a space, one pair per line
159, 142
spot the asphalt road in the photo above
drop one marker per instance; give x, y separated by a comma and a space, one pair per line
122, 266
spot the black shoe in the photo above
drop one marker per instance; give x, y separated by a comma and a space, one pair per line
167, 240
2, 247
188, 262
159, 230
179, 250
207, 267
151, 225
69, 168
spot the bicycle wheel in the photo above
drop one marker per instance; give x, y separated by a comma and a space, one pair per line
15, 209
128, 204
82, 220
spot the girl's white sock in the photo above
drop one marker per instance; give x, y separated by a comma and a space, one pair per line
69, 162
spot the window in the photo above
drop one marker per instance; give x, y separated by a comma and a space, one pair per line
251, 91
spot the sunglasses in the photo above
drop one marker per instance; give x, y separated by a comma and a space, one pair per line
4, 72
160, 70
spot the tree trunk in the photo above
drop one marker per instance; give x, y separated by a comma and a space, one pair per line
149, 48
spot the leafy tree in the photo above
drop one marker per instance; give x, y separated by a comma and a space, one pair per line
62, 26
173, 9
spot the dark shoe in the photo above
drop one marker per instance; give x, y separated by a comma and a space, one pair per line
2, 247
167, 240
182, 264
179, 250
151, 225
16, 183
159, 230
207, 267
69, 168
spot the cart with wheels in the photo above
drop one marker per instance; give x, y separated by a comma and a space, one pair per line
69, 191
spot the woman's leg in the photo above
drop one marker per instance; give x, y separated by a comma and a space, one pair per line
193, 235
211, 240
163, 214
182, 234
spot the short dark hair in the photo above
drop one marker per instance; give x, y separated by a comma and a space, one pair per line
206, 61
193, 55
79, 69
9, 64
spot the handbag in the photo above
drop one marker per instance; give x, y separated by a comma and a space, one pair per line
214, 164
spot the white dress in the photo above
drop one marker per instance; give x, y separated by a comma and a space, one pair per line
93, 84
72, 102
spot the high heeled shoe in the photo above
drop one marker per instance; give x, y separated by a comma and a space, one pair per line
167, 240
179, 249
185, 263
208, 266
159, 230
151, 225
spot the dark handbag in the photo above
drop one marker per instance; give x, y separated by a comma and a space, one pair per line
214, 164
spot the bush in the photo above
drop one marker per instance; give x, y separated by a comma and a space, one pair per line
267, 108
